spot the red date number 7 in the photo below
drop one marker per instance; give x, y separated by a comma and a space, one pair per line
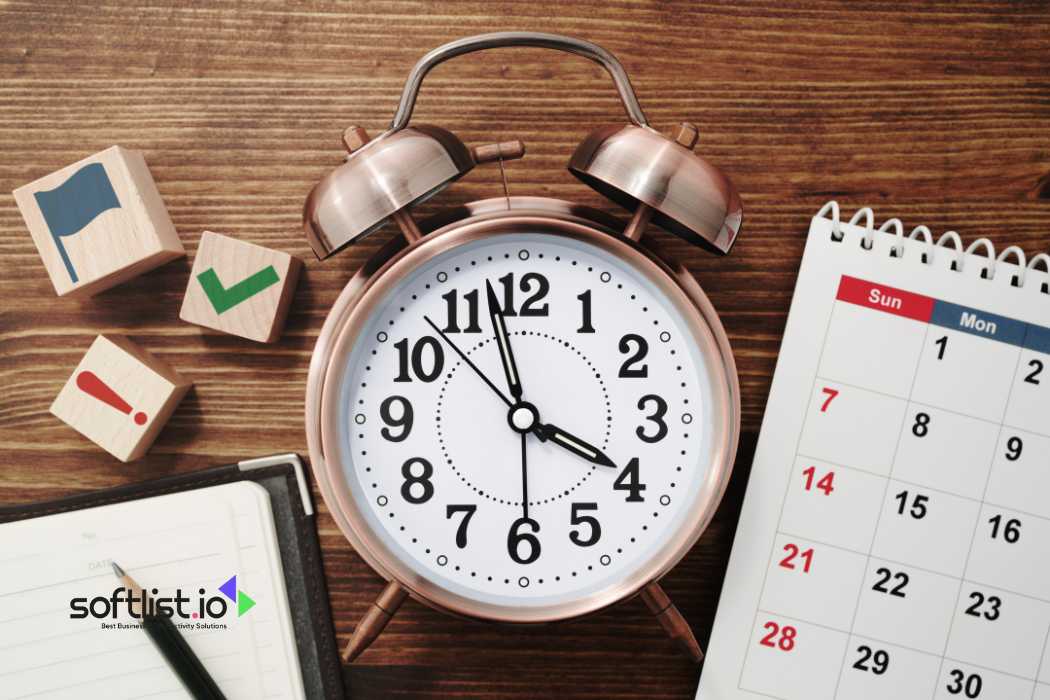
831, 394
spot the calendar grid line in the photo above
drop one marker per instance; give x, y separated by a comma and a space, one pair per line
886, 642
783, 500
907, 482
937, 407
909, 565
977, 525
1039, 668
878, 518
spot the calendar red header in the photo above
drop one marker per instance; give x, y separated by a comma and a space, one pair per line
882, 297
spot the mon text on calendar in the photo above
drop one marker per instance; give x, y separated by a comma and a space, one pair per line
893, 538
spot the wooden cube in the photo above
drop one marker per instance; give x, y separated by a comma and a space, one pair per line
98, 222
120, 396
240, 288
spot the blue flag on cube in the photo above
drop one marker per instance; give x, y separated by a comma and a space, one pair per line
74, 204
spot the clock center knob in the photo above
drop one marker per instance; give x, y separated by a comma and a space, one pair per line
523, 417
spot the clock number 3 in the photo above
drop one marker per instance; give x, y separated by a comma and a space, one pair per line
657, 417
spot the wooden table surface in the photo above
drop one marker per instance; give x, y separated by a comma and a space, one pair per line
935, 113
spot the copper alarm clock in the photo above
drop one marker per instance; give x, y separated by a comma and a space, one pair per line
519, 411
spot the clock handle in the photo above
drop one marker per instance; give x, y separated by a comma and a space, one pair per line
375, 620
672, 621
540, 40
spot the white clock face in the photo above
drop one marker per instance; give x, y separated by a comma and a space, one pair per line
536, 445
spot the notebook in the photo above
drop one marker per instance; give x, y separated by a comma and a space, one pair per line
893, 537
211, 539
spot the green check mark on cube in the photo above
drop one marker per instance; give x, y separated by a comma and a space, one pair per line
224, 299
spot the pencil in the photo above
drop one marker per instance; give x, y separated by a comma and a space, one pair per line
165, 636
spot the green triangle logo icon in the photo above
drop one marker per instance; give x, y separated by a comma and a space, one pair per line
244, 603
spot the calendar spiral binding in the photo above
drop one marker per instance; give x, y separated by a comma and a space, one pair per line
1024, 268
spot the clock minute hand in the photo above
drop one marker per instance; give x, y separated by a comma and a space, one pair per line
506, 354
563, 438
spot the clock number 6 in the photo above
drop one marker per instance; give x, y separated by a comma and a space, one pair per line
461, 531
515, 538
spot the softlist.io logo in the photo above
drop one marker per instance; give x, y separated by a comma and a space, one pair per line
197, 611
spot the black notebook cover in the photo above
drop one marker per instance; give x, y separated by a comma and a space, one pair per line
284, 479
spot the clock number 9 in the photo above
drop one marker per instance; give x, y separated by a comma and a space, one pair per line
404, 421
423, 480
657, 416
589, 520
515, 538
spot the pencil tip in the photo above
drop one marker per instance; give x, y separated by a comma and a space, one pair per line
117, 570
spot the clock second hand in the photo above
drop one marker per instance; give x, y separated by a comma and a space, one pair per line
466, 359
524, 480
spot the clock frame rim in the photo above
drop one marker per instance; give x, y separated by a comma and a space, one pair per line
446, 231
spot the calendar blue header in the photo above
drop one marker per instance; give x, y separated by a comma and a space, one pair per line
945, 314
976, 322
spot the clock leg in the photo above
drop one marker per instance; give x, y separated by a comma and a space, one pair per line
375, 620
671, 620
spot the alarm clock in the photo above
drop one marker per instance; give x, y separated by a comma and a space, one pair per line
520, 411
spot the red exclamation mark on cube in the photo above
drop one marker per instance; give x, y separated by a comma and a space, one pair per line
89, 383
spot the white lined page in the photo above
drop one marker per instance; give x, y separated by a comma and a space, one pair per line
188, 540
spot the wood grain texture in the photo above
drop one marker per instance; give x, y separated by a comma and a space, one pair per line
937, 113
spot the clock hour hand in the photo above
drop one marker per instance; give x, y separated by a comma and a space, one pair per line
563, 438
506, 354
